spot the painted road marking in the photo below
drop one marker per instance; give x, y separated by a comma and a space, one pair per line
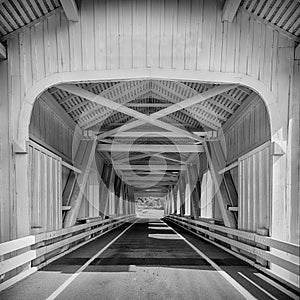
255, 284
232, 281
59, 290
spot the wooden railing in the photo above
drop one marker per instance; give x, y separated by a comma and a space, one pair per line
24, 256
253, 248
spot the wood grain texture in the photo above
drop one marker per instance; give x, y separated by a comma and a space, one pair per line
45, 189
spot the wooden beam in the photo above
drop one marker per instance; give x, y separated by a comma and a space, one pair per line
145, 185
144, 173
238, 114
231, 166
192, 101
270, 24
175, 96
230, 9
157, 134
76, 170
175, 107
113, 93
70, 9
150, 168
159, 105
146, 179
215, 162
149, 194
142, 118
85, 155
135, 157
51, 102
168, 158
31, 24
149, 148
2, 52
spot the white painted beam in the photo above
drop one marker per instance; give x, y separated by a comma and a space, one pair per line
171, 109
135, 157
157, 134
145, 175
70, 9
149, 194
230, 9
147, 167
142, 118
146, 179
159, 105
2, 52
149, 148
193, 100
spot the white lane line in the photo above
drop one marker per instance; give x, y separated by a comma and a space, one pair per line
73, 277
277, 286
259, 287
232, 281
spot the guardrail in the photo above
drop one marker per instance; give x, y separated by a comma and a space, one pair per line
253, 248
24, 256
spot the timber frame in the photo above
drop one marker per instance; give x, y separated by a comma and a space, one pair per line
173, 94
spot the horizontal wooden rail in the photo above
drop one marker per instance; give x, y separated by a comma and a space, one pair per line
41, 249
254, 244
76, 170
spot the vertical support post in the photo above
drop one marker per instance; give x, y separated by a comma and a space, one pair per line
188, 194
111, 192
121, 198
86, 154
104, 183
215, 164
181, 187
174, 199
117, 187
22, 203
178, 204
126, 200
194, 191
167, 211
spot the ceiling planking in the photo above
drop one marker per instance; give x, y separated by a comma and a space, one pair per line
16, 14
285, 14
211, 113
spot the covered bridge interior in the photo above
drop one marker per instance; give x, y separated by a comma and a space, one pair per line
196, 102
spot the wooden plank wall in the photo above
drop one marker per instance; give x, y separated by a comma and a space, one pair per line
255, 189
94, 201
246, 130
114, 35
207, 196
134, 35
50, 130
45, 189
7, 214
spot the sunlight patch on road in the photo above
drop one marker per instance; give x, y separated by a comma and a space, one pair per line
161, 236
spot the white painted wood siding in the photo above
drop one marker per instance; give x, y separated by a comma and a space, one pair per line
183, 35
45, 189
248, 130
254, 189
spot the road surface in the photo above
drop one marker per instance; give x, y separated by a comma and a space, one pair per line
147, 259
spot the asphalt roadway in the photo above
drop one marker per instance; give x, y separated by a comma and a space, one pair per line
148, 259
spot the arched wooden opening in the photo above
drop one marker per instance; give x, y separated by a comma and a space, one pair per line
225, 113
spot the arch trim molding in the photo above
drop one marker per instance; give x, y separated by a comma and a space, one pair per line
269, 97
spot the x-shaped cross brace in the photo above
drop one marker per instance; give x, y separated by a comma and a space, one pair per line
142, 118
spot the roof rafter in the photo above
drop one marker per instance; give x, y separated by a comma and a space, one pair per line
142, 118
149, 148
2, 52
230, 9
70, 9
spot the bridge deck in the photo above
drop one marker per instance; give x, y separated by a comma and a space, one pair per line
148, 261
